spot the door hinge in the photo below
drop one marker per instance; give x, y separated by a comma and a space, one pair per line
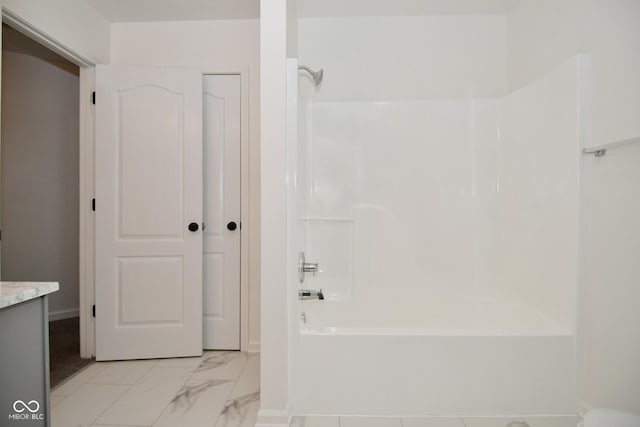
93, 310
93, 205
93, 97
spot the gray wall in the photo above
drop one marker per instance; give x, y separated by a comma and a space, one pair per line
40, 175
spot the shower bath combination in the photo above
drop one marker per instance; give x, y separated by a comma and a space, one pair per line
395, 295
316, 76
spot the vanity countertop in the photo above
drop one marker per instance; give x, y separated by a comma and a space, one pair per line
16, 292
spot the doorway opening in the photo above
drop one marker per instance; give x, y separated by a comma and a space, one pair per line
39, 185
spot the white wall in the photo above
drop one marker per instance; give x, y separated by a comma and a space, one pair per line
384, 58
542, 34
40, 176
276, 327
212, 46
73, 23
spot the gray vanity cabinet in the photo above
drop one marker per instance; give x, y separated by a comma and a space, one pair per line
24, 364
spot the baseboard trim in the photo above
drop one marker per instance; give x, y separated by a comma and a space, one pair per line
274, 418
63, 314
253, 347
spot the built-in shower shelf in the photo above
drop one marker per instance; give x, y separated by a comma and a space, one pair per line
601, 150
326, 218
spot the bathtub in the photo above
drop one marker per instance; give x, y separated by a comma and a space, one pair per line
432, 355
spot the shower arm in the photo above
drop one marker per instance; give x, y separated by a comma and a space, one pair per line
316, 76
307, 69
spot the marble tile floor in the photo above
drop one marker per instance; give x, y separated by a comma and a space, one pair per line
349, 421
218, 389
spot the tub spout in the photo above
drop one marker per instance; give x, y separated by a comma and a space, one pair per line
305, 294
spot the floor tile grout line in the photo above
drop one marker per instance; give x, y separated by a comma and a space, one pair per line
155, 420
122, 425
139, 382
58, 386
129, 386
215, 421
195, 369
177, 391
153, 365
147, 372
235, 380
235, 383
244, 367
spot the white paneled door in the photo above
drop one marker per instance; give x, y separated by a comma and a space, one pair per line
149, 213
222, 212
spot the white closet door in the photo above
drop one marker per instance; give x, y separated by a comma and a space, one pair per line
148, 196
222, 212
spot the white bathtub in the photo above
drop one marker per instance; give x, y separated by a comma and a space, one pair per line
442, 354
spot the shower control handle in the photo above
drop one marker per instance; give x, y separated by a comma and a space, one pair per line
310, 267
306, 267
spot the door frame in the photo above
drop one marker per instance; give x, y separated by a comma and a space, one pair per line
87, 179
245, 226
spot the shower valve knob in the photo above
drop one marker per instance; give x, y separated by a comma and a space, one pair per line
306, 267
310, 267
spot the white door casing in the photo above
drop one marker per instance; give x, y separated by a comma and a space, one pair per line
222, 207
148, 190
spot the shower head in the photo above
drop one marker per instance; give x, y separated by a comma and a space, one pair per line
315, 75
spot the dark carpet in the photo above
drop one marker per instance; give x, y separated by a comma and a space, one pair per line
64, 350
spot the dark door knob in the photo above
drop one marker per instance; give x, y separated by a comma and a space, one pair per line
232, 226
193, 226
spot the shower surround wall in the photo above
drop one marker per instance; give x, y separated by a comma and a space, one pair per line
403, 128
420, 179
